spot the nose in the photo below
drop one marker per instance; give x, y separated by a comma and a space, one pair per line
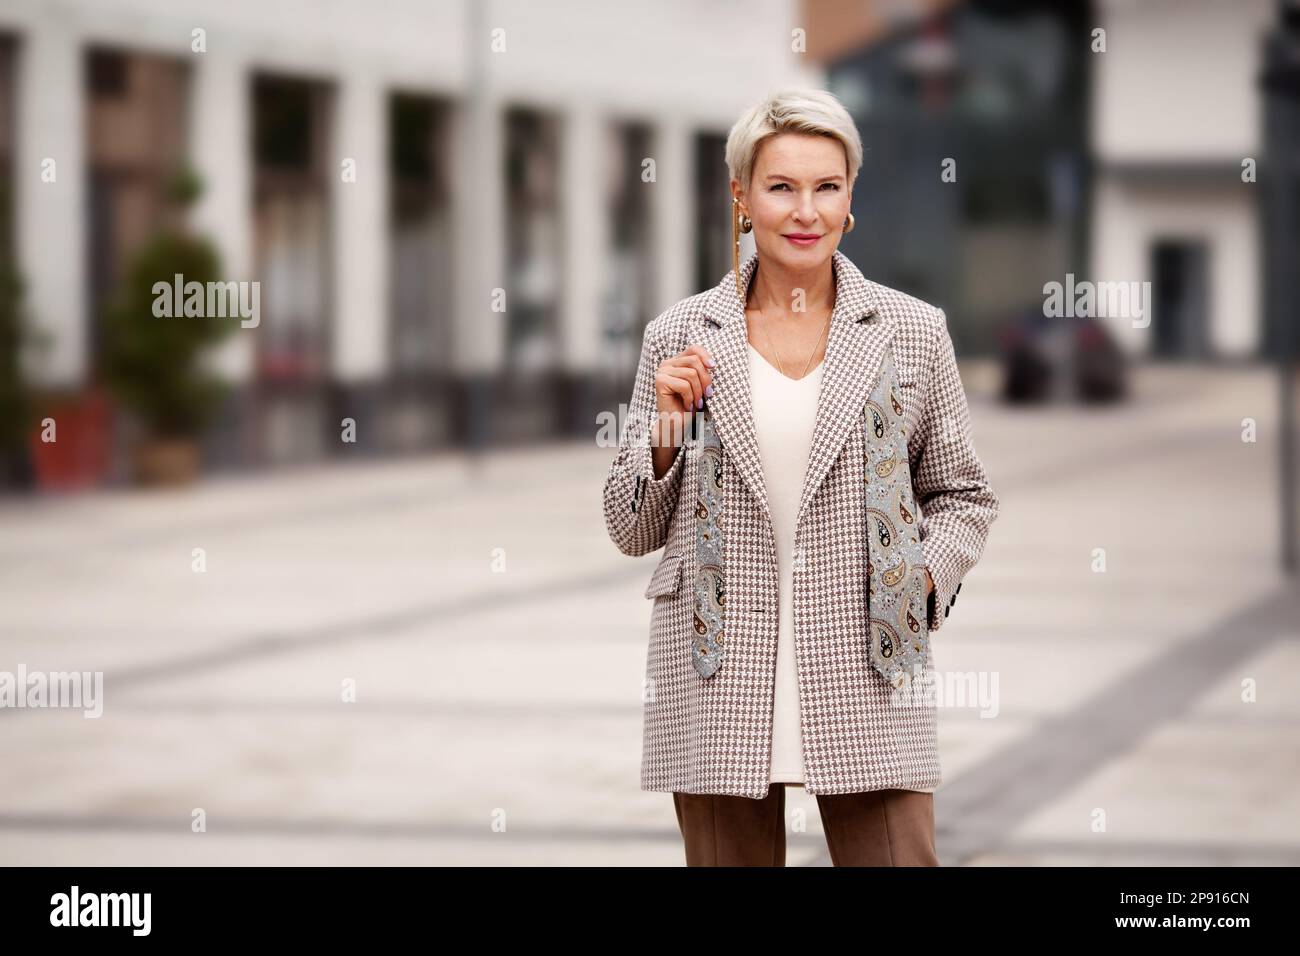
807, 211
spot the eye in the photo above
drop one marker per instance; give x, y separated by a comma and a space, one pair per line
776, 186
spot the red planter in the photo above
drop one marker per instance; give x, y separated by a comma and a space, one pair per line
80, 456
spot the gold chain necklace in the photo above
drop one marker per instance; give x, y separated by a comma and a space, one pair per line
778, 354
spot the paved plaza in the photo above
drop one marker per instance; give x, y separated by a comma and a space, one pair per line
439, 659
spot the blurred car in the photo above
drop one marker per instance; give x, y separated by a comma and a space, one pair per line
1060, 357
1100, 371
1027, 358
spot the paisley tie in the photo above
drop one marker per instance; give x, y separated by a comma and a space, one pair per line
710, 583
897, 620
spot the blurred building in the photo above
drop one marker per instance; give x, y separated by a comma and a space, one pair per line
382, 171
1171, 199
994, 95
1115, 166
1177, 111
567, 152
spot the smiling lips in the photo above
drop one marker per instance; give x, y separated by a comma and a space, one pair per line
802, 238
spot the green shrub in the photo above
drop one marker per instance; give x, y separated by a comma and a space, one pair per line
152, 363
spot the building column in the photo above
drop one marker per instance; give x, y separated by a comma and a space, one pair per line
50, 193
361, 314
672, 210
220, 149
479, 225
585, 218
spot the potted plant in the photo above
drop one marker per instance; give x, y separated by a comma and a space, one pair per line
151, 362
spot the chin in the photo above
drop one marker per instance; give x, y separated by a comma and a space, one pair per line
803, 258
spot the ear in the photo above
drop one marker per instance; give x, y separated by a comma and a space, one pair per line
739, 194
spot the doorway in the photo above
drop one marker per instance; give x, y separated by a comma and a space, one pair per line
1180, 289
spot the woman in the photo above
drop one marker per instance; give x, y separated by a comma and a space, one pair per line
799, 444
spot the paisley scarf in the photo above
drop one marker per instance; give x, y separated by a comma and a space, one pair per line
897, 625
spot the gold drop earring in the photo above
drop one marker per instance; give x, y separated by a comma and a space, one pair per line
739, 223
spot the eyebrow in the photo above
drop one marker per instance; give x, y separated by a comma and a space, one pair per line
788, 179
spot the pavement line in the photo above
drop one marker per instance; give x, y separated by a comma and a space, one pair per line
261, 646
977, 811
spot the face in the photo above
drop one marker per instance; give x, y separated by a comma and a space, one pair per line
798, 198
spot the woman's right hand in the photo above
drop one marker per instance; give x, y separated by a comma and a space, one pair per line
682, 382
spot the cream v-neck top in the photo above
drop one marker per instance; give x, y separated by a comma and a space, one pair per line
785, 411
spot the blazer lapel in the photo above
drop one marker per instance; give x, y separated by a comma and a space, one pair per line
855, 347
859, 335
723, 333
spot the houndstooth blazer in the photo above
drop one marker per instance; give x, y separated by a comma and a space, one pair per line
714, 735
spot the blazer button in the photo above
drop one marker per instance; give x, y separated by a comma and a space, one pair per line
958, 591
946, 610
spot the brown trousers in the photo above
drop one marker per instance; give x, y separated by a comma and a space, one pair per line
874, 828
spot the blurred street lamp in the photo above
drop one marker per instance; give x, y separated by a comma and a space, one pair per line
1280, 177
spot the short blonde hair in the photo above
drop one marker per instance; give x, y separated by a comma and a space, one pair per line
791, 111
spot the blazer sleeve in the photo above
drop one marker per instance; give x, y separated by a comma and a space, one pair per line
957, 503
638, 506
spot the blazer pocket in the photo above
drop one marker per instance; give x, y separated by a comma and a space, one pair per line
667, 577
